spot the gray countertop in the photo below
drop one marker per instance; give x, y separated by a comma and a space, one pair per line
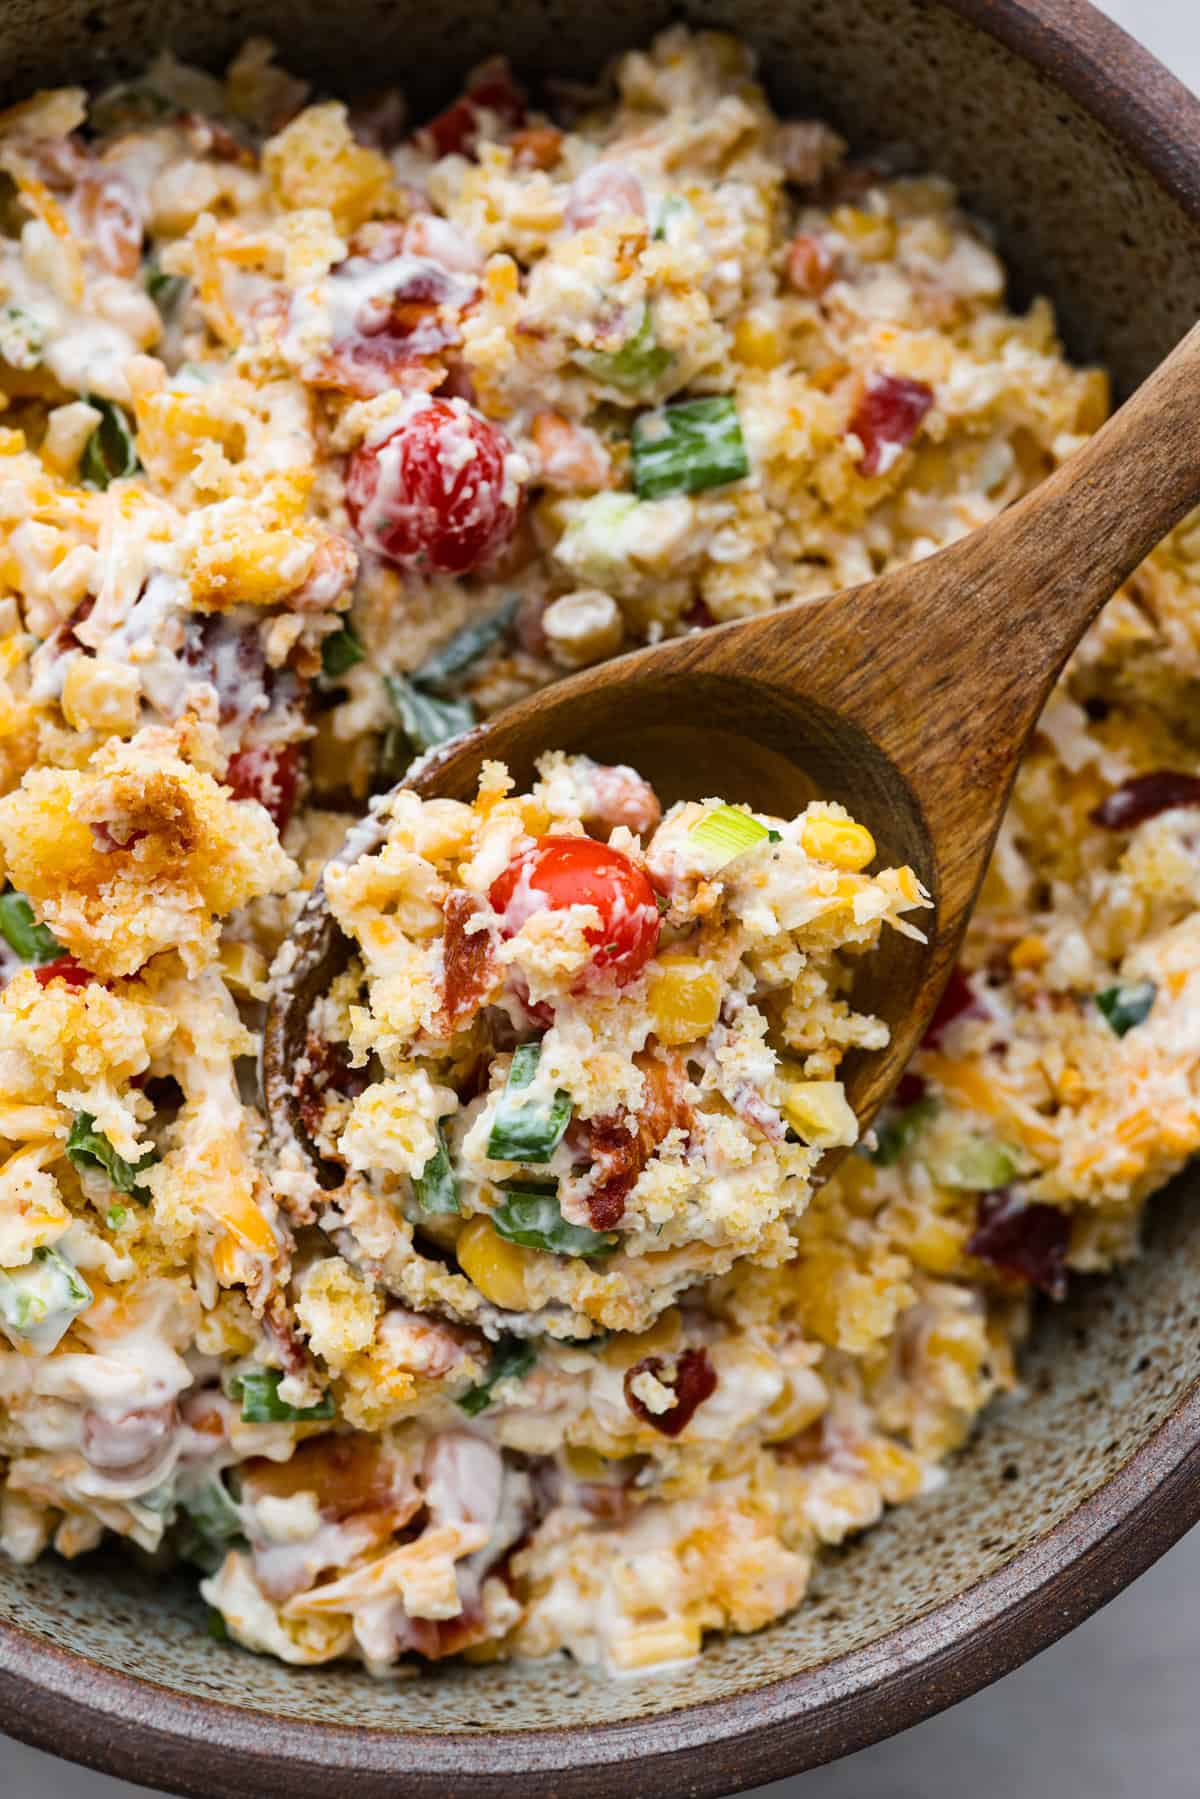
1111, 1712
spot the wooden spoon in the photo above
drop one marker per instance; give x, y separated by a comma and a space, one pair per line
909, 699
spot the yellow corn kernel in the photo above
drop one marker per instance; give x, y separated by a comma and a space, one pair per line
1030, 952
499, 1269
101, 695
936, 1245
244, 969
226, 1254
663, 1336
586, 1464
796, 1408
871, 235
946, 1344
756, 342
820, 1113
840, 841
685, 998
896, 1471
672, 1640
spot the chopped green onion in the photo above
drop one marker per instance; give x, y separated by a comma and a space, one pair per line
673, 207
261, 1404
774, 836
527, 1128
126, 106
115, 1217
165, 290
425, 719
32, 941
511, 1359
22, 338
729, 831
640, 362
109, 453
340, 651
213, 1512
39, 1301
901, 1130
687, 447
465, 647
436, 1187
975, 1164
1127, 1004
89, 1149
530, 1216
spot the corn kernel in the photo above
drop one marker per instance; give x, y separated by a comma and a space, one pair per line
499, 1269
871, 235
101, 695
583, 627
663, 1336
839, 841
756, 342
244, 969
685, 998
820, 1113
1030, 952
936, 1246
673, 1640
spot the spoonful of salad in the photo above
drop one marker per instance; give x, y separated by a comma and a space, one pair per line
902, 706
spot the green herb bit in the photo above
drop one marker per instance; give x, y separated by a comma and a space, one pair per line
900, 1131
22, 338
115, 1217
32, 941
436, 1187
465, 647
527, 1129
39, 1300
109, 453
530, 1215
425, 719
511, 1359
641, 361
729, 831
340, 651
213, 1512
90, 1149
673, 209
687, 447
167, 291
261, 1404
976, 1164
126, 106
1127, 1004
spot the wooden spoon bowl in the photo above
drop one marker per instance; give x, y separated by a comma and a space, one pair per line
909, 699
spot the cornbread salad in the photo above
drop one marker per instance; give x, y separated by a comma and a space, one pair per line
327, 431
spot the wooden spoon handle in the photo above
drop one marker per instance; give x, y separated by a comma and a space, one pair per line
990, 622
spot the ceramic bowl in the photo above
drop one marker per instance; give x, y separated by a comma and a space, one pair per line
1085, 155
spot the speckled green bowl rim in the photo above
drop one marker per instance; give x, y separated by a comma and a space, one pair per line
70, 1705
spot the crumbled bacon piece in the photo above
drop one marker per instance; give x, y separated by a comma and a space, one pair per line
608, 190
63, 968
1029, 1241
1145, 796
456, 131
208, 137
270, 774
693, 1380
958, 1001
538, 147
109, 216
615, 1153
810, 265
394, 335
886, 417
327, 1069
470, 974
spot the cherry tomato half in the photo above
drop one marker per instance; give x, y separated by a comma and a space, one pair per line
577, 871
431, 494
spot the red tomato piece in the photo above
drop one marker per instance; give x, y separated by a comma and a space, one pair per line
886, 419
270, 774
431, 494
577, 871
491, 90
63, 968
810, 265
